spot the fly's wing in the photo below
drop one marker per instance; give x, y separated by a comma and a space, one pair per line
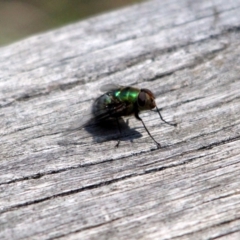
110, 112
110, 87
85, 118
81, 121
100, 110
107, 106
88, 118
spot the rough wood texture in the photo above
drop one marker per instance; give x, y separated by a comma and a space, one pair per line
79, 186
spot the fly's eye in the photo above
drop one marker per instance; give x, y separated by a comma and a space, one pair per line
141, 99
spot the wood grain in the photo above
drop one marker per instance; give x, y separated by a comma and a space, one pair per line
77, 185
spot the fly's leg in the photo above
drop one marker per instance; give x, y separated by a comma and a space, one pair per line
120, 131
171, 124
137, 117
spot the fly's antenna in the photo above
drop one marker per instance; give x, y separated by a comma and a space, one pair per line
171, 124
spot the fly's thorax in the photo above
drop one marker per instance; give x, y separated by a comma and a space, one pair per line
127, 94
146, 100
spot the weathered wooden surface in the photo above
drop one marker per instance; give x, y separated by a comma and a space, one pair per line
79, 186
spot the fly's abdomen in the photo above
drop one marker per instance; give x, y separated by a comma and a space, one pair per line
101, 104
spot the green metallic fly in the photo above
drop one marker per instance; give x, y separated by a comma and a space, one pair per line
119, 101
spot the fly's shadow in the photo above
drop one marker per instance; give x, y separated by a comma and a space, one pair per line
101, 131
112, 129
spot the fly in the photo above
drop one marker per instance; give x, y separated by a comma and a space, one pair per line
120, 101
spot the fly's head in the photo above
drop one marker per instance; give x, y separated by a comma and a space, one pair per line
146, 100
